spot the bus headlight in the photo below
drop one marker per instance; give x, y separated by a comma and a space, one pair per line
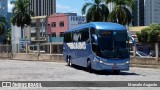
127, 62
101, 61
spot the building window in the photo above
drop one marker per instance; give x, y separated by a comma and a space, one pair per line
53, 34
61, 34
61, 24
53, 24
33, 34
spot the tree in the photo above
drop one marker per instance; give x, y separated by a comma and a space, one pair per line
150, 34
153, 35
2, 23
96, 11
143, 35
121, 13
9, 36
21, 14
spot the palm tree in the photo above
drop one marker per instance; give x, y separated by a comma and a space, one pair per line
9, 36
96, 11
21, 14
121, 13
2, 23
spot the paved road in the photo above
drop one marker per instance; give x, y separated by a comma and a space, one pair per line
12, 70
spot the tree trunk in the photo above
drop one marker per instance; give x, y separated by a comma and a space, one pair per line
157, 50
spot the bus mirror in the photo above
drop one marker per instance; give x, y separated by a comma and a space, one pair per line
94, 40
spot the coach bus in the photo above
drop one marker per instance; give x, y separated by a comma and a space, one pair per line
98, 46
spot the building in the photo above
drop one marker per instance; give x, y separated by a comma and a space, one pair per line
146, 12
37, 31
9, 15
3, 7
43, 7
34, 33
152, 11
138, 13
3, 12
58, 23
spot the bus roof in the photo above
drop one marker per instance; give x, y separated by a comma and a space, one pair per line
101, 26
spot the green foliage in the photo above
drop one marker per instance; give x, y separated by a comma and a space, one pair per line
153, 36
2, 28
155, 27
139, 36
150, 34
96, 11
21, 13
9, 36
2, 23
121, 13
144, 34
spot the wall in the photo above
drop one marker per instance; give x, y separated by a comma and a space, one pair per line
36, 57
75, 21
58, 18
16, 36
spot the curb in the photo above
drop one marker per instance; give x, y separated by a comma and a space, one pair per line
145, 66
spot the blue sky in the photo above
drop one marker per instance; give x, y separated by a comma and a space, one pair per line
64, 6
70, 6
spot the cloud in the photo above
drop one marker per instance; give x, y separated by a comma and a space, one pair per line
65, 9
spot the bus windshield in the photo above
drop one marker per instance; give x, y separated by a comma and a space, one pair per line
113, 44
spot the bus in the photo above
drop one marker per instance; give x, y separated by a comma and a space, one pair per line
98, 46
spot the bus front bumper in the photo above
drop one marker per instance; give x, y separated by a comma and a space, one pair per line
101, 65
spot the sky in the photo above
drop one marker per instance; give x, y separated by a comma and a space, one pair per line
64, 6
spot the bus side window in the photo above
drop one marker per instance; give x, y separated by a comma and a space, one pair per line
68, 37
92, 32
84, 34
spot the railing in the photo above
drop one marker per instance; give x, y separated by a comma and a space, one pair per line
42, 48
5, 51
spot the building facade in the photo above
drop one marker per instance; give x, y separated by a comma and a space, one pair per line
146, 12
37, 29
152, 11
138, 13
43, 7
58, 23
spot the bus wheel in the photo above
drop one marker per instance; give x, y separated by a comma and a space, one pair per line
89, 68
69, 62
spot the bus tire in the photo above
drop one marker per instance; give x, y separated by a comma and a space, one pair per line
69, 62
89, 68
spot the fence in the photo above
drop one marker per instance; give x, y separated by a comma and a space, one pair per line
5, 51
41, 48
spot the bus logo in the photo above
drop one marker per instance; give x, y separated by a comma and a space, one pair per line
77, 45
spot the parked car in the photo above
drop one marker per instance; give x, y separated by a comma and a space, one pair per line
140, 54
153, 54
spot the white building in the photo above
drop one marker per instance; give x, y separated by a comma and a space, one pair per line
152, 12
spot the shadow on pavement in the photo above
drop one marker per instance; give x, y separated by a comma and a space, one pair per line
105, 72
